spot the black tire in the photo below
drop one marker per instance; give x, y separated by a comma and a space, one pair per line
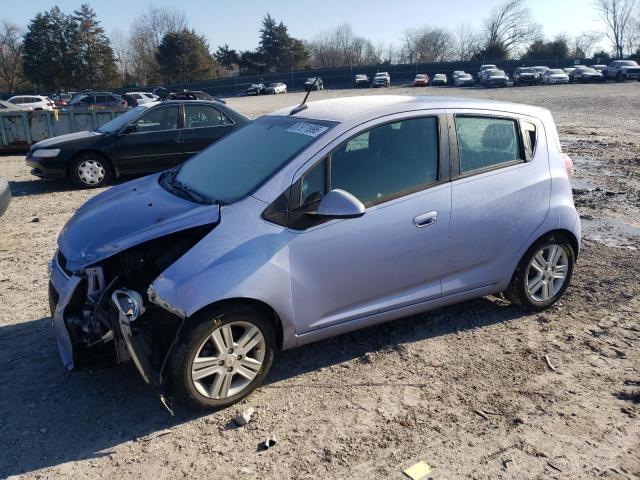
101, 166
517, 292
195, 332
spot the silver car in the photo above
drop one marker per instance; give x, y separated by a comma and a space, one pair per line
308, 223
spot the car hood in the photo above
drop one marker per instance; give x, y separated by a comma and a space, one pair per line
125, 216
69, 137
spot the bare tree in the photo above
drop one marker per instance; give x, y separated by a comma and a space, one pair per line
584, 44
617, 16
121, 48
10, 53
633, 38
510, 25
147, 32
339, 47
426, 44
466, 43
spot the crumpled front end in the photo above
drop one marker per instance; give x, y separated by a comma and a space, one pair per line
102, 314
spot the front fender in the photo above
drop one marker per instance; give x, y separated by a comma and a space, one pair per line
244, 257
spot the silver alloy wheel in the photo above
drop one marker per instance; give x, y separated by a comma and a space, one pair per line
91, 172
228, 360
547, 272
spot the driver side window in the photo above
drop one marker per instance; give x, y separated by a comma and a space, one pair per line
157, 120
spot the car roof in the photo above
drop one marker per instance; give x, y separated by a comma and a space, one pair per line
372, 106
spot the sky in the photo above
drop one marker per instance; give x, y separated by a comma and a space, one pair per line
236, 23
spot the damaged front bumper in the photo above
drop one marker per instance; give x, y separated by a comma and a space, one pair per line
126, 308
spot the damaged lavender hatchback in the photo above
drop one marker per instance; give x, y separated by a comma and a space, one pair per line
308, 223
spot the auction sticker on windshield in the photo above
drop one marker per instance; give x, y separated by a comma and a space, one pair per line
305, 128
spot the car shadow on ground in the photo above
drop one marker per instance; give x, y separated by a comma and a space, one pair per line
37, 186
51, 417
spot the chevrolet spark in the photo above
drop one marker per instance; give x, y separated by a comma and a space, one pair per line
311, 222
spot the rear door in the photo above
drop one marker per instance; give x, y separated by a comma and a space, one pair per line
204, 124
153, 144
500, 195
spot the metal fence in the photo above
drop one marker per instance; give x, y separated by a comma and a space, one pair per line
334, 78
19, 130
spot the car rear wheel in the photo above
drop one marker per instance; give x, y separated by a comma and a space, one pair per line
543, 274
90, 170
222, 355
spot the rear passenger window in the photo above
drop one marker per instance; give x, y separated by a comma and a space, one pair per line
387, 161
486, 142
199, 116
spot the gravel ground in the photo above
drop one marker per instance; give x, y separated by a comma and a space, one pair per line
467, 389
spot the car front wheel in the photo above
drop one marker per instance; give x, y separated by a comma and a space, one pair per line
90, 171
222, 355
543, 274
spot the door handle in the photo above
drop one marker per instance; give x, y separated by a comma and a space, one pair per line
177, 140
426, 219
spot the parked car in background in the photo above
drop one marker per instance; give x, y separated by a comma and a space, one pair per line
526, 76
32, 102
143, 97
456, 74
145, 139
421, 80
276, 88
191, 95
621, 70
585, 75
11, 107
568, 70
257, 89
439, 79
62, 99
495, 78
362, 81
483, 69
97, 101
308, 201
5, 195
598, 68
382, 79
464, 80
541, 69
555, 76
313, 83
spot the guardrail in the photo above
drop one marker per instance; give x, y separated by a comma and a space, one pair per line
20, 130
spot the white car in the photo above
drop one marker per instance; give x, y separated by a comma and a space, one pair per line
276, 88
143, 97
382, 79
32, 102
554, 76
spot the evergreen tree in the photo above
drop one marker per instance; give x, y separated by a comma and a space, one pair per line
184, 56
93, 58
46, 54
279, 51
226, 56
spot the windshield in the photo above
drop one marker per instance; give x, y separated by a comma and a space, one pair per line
527, 70
496, 73
556, 72
421, 77
628, 63
121, 120
234, 166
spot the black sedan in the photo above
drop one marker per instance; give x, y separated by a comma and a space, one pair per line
146, 139
257, 89
585, 75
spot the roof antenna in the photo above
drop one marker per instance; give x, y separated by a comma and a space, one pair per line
303, 105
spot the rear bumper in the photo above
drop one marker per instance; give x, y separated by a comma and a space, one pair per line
5, 196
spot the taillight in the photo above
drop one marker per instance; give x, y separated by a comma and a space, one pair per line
568, 163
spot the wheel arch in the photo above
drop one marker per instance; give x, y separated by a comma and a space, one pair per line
112, 167
267, 309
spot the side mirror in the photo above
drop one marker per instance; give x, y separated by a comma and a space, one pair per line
129, 129
339, 204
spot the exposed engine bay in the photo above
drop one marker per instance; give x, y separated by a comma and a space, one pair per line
111, 317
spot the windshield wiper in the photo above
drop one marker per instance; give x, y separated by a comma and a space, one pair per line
190, 192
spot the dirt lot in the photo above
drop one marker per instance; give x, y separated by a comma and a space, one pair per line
466, 388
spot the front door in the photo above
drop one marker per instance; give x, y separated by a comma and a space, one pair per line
393, 255
152, 143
